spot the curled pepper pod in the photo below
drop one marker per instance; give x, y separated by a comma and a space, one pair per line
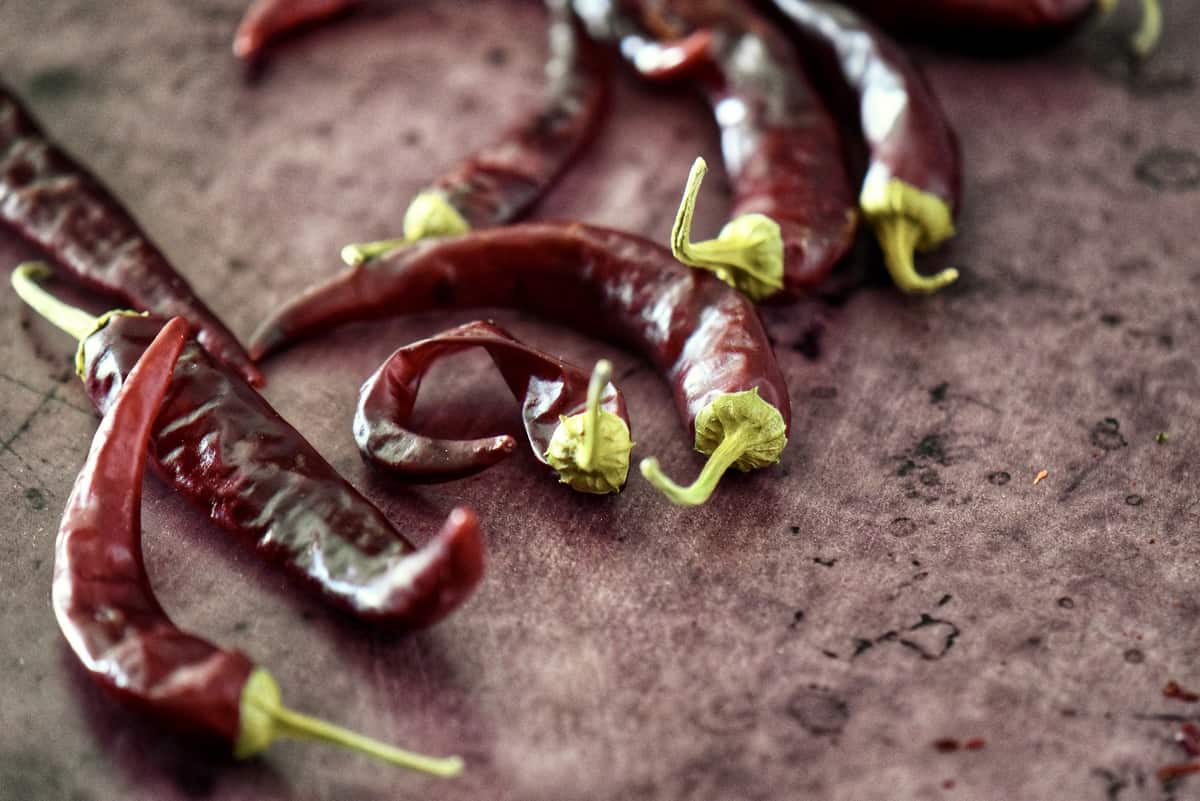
576, 425
108, 613
703, 336
57, 204
219, 443
911, 190
503, 181
793, 215
266, 20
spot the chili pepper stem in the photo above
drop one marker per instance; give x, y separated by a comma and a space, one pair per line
899, 237
601, 376
721, 459
1150, 31
360, 253
747, 254
265, 718
75, 322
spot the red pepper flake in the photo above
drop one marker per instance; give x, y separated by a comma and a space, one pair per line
1189, 738
974, 744
1169, 772
1173, 690
946, 745
948, 784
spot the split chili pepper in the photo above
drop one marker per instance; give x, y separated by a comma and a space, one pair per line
54, 202
912, 187
501, 182
1003, 22
793, 213
265, 20
705, 337
107, 611
220, 444
577, 426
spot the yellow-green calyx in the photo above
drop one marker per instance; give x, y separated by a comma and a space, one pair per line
738, 429
590, 450
429, 215
75, 322
747, 254
265, 719
906, 220
1145, 39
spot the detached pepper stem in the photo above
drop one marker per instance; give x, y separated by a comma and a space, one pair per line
899, 236
75, 322
601, 376
721, 459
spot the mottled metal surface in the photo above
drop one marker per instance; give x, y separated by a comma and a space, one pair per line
807, 635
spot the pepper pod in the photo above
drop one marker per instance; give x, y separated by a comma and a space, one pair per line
577, 426
219, 443
109, 615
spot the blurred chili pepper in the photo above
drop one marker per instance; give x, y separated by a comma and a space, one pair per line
577, 426
265, 20
220, 444
704, 336
54, 202
107, 611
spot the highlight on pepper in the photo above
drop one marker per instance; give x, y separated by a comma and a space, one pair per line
590, 450
738, 429
907, 220
747, 253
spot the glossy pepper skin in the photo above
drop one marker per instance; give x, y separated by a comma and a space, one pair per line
705, 337
101, 596
779, 142
913, 183
54, 202
221, 445
548, 388
109, 615
266, 20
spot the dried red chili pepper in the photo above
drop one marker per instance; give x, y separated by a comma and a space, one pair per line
912, 186
220, 444
576, 425
116, 627
54, 202
504, 180
793, 212
1000, 23
705, 337
265, 20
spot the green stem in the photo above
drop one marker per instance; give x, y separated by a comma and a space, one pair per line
75, 322
293, 724
601, 375
1150, 31
730, 449
362, 252
898, 237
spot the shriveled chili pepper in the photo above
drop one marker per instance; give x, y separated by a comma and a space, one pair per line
912, 187
220, 444
1003, 23
576, 425
54, 202
504, 180
265, 20
704, 336
793, 214
108, 613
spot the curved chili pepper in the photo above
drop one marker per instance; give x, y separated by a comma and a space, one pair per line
706, 337
116, 627
999, 22
54, 202
793, 212
911, 190
576, 425
265, 20
220, 444
504, 180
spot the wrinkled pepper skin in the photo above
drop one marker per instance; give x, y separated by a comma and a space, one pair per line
779, 142
267, 20
702, 334
54, 202
547, 387
221, 445
101, 595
